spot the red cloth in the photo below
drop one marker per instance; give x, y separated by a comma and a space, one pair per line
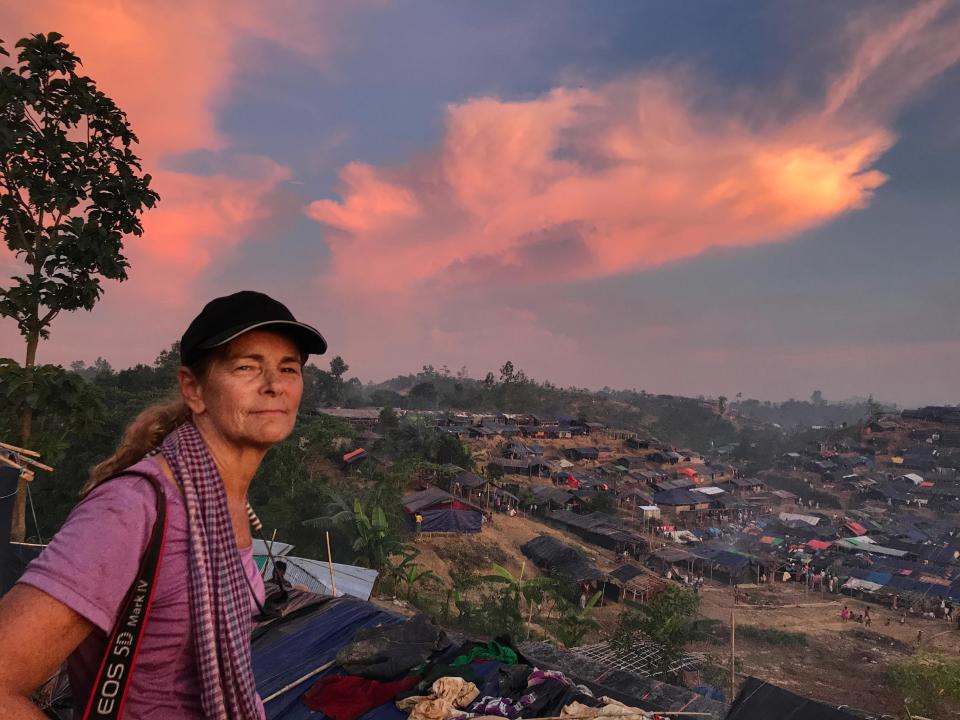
347, 697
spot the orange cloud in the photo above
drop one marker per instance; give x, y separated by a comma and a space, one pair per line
593, 181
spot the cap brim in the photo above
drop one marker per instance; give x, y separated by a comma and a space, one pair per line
308, 339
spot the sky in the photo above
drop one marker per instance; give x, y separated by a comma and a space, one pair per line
692, 198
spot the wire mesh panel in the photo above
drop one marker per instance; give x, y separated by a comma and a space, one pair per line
642, 658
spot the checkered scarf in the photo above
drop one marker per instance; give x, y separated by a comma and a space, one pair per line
220, 615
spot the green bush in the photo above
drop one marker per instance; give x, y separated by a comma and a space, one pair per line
928, 682
772, 636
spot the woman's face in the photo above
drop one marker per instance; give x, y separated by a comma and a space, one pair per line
251, 392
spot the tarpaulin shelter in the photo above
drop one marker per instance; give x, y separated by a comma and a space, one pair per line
315, 575
442, 512
759, 700
549, 554
599, 529
288, 648
632, 582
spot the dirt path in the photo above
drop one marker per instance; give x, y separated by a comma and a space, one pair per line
842, 662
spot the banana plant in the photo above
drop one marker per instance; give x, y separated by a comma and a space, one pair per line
531, 591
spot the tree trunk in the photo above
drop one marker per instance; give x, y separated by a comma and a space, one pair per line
18, 528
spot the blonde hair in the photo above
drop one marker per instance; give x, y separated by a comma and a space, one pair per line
142, 436
148, 429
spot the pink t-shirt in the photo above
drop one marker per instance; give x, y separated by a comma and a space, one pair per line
89, 566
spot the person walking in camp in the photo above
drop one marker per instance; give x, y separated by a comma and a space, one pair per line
148, 591
845, 613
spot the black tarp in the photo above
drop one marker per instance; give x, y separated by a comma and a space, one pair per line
9, 478
759, 700
449, 519
550, 554
626, 573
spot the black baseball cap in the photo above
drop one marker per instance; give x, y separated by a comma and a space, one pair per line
225, 318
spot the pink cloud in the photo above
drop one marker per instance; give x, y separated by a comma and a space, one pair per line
170, 65
587, 182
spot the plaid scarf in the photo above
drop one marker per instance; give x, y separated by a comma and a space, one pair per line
220, 615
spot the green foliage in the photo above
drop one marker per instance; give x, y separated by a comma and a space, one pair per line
483, 607
407, 574
388, 418
418, 437
73, 421
70, 404
667, 620
605, 502
523, 593
71, 188
772, 636
373, 538
715, 671
574, 622
928, 682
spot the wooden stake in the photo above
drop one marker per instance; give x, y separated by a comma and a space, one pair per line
20, 450
733, 653
333, 580
269, 547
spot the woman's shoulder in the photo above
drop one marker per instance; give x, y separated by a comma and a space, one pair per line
91, 561
136, 483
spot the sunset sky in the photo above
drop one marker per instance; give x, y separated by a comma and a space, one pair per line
685, 197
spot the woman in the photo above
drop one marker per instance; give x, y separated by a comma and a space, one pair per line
240, 388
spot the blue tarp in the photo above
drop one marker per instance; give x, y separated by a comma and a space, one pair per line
294, 646
878, 577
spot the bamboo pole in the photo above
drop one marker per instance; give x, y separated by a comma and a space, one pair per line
312, 673
333, 580
19, 450
37, 464
269, 546
733, 653
10, 463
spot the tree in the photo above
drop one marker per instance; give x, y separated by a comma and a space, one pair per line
531, 591
338, 368
604, 502
722, 404
667, 620
71, 191
388, 418
374, 541
506, 372
574, 622
448, 450
424, 393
